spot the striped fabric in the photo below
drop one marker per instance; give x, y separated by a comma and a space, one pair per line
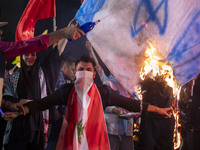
120, 38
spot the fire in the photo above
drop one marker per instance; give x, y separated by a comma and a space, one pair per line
152, 68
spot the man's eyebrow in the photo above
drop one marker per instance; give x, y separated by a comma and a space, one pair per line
80, 68
89, 68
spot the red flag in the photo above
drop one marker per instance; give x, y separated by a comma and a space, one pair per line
34, 11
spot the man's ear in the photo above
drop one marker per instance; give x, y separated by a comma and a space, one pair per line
94, 74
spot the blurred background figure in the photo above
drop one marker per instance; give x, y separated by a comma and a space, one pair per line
66, 76
67, 72
190, 114
120, 131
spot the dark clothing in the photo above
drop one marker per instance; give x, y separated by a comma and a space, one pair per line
156, 132
2, 64
192, 118
158, 94
120, 142
194, 107
28, 131
109, 98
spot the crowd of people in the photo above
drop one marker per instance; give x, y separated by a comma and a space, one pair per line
47, 108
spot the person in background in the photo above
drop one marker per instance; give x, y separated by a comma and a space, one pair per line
120, 130
35, 79
190, 107
67, 73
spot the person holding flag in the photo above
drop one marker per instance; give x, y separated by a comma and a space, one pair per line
84, 124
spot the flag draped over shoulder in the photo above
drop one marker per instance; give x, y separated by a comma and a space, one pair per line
88, 133
34, 11
120, 38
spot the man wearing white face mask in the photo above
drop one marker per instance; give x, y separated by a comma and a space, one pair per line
84, 125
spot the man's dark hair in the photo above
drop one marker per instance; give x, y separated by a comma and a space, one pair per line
68, 62
85, 59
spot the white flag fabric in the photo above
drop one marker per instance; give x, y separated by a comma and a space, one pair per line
120, 38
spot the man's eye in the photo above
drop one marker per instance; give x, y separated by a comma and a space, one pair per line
89, 69
80, 69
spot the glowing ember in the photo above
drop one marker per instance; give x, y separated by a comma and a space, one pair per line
153, 68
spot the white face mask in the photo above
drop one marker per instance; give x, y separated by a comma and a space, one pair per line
84, 80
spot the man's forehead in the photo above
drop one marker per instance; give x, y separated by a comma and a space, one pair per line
81, 63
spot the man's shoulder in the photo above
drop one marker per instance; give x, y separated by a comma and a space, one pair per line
67, 86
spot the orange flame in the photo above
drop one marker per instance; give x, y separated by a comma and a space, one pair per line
154, 67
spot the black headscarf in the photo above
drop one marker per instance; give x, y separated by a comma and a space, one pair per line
28, 87
29, 84
32, 126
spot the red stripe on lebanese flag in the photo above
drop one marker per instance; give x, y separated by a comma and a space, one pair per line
65, 141
95, 129
96, 132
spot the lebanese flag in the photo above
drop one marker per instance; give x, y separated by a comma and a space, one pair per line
84, 125
34, 11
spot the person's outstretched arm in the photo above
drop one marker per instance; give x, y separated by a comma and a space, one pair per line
69, 32
112, 98
59, 97
39, 43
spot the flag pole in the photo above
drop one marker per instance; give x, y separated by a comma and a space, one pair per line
54, 28
54, 24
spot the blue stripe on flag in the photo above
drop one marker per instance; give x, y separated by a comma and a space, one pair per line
88, 9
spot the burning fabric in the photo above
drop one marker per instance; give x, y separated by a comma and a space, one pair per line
159, 88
